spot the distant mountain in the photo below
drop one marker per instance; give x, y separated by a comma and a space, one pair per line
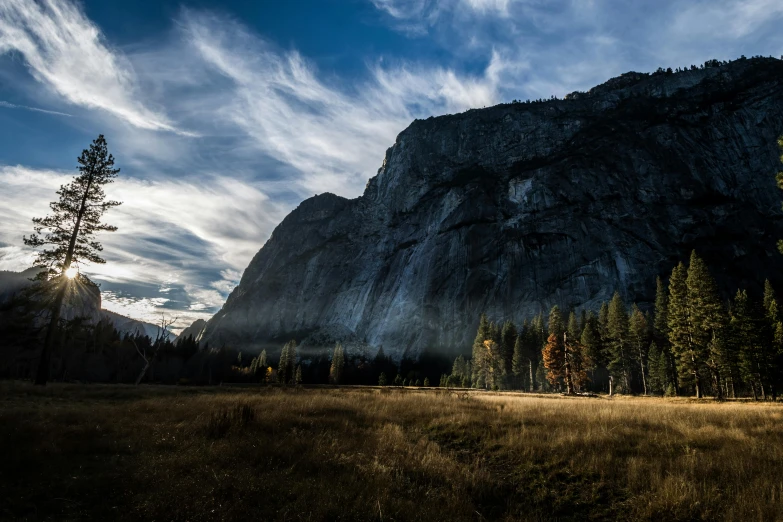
133, 326
11, 283
511, 209
196, 330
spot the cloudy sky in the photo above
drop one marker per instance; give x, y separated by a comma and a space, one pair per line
224, 115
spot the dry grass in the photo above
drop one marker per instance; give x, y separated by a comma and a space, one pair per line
122, 453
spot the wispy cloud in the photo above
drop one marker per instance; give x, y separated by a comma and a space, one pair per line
569, 45
249, 128
174, 237
8, 105
333, 135
67, 53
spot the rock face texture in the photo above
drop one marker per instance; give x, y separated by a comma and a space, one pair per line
512, 209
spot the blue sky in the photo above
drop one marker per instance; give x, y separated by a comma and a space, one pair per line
225, 115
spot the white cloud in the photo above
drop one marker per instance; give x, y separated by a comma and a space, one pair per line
67, 52
8, 105
269, 128
197, 235
726, 19
334, 135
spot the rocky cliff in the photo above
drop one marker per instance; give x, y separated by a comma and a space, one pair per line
512, 209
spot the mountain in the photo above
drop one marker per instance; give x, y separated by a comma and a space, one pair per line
196, 330
86, 303
11, 283
512, 209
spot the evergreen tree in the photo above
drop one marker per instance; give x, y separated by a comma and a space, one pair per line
619, 349
689, 358
533, 343
69, 232
298, 377
338, 365
747, 332
262, 360
706, 319
574, 331
556, 324
382, 380
661, 333
773, 338
508, 338
285, 369
484, 333
460, 368
426, 382
661, 322
640, 341
603, 327
398, 380
591, 340
519, 363
657, 380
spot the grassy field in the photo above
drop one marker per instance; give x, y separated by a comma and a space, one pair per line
96, 452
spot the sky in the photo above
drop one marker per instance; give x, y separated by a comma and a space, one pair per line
225, 115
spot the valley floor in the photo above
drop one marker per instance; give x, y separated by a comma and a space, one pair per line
103, 452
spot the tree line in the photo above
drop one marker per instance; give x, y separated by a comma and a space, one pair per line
690, 343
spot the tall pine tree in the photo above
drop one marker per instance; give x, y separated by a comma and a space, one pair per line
478, 367
639, 333
68, 237
619, 349
706, 319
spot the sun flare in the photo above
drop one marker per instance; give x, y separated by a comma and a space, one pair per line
71, 272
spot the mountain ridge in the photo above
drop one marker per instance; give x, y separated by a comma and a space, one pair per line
512, 208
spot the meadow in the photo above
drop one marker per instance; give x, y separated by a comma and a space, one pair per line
113, 452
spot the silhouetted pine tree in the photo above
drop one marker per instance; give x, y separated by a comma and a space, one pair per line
70, 231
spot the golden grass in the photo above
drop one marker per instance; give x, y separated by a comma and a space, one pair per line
123, 453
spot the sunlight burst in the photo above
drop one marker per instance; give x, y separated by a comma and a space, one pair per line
71, 272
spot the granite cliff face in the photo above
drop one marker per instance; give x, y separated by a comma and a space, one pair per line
512, 209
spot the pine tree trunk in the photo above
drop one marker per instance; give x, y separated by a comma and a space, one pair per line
568, 381
641, 363
611, 386
42, 375
532, 380
142, 373
718, 387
